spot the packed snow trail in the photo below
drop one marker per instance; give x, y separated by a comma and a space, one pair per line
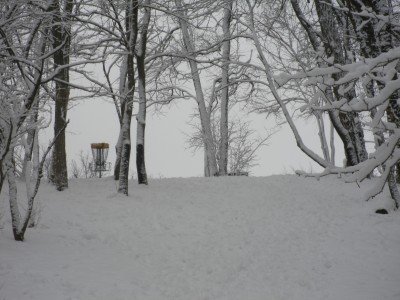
247, 238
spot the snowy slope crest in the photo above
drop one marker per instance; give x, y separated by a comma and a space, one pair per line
279, 237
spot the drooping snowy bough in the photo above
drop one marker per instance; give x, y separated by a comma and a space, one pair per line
343, 63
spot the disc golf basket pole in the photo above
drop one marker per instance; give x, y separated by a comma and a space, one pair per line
100, 153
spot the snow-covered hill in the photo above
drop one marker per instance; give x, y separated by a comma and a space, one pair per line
271, 238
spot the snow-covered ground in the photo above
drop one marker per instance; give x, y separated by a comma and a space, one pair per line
247, 238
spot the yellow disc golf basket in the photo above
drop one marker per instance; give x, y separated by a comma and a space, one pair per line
100, 164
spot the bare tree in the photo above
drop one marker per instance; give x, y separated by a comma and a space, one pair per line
47, 165
23, 73
84, 160
75, 169
113, 30
190, 52
226, 47
82, 168
31, 143
141, 115
243, 143
131, 22
344, 81
61, 34
243, 147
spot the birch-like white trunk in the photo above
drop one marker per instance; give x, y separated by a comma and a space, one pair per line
19, 223
12, 194
141, 116
122, 92
204, 117
31, 137
132, 25
332, 143
322, 136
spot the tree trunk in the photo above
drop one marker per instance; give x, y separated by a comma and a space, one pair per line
393, 189
61, 32
19, 224
27, 155
124, 170
59, 161
206, 164
386, 42
384, 39
204, 117
224, 130
122, 91
332, 144
30, 141
118, 150
12, 188
349, 148
347, 125
5, 145
375, 38
132, 30
322, 136
141, 116
35, 171
353, 126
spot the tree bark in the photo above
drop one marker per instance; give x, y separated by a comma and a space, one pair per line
31, 138
12, 192
354, 145
118, 150
322, 136
347, 125
122, 91
141, 116
375, 39
204, 117
19, 224
132, 30
224, 122
61, 32
124, 169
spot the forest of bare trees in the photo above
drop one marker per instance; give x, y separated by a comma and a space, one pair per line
335, 61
